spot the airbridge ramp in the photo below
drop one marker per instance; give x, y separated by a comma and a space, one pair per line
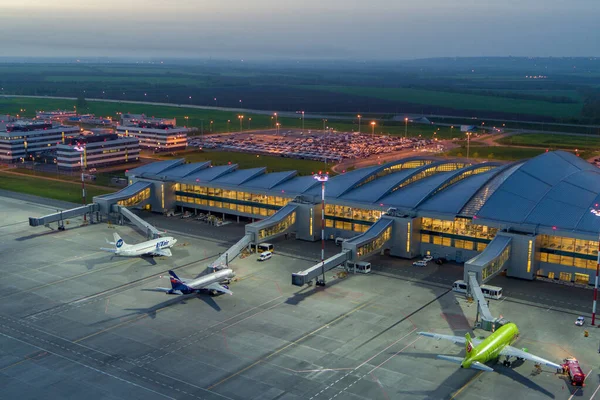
59, 216
301, 278
150, 231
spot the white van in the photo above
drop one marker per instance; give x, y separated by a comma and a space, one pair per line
265, 255
362, 267
339, 241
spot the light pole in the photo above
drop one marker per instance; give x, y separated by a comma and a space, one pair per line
81, 150
324, 120
372, 128
228, 122
596, 212
249, 120
468, 143
302, 122
211, 124
359, 117
215, 99
241, 117
322, 177
277, 125
186, 120
405, 127
275, 119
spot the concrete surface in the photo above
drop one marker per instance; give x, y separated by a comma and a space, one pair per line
75, 323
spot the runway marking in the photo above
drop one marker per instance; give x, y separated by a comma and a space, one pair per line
66, 260
15, 363
292, 343
596, 391
578, 389
116, 326
465, 385
380, 386
88, 366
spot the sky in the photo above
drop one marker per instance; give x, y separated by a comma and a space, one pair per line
300, 29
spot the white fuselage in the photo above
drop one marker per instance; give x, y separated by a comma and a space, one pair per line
205, 280
146, 248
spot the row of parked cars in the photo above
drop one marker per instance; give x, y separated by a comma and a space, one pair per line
334, 147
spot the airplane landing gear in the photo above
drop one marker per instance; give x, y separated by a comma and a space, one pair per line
506, 363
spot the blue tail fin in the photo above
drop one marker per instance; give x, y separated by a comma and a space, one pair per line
176, 283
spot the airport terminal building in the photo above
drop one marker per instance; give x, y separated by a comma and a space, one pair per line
530, 218
97, 151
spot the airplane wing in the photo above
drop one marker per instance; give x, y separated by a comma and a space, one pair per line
455, 339
218, 288
481, 366
514, 352
163, 252
109, 250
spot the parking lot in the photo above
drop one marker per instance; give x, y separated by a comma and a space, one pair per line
75, 323
313, 145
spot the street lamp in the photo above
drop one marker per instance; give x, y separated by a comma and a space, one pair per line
241, 117
302, 122
324, 120
322, 177
81, 150
596, 212
359, 117
405, 127
277, 125
468, 143
186, 120
249, 120
275, 119
228, 122
372, 128
211, 124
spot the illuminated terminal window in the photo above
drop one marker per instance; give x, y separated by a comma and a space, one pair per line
279, 227
138, 198
571, 252
376, 244
460, 233
350, 218
233, 200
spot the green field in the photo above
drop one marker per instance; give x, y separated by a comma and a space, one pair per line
553, 142
495, 152
102, 179
247, 160
458, 100
199, 117
46, 188
166, 80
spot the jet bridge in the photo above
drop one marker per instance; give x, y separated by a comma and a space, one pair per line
301, 278
150, 231
481, 269
232, 252
278, 224
60, 216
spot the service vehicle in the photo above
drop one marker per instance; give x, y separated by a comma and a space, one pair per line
571, 368
265, 255
420, 264
580, 321
492, 292
427, 258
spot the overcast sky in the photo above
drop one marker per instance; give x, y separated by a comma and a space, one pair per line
253, 29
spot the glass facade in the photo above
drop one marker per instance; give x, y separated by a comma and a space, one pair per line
495, 265
376, 244
350, 218
394, 168
278, 228
446, 167
236, 201
138, 198
460, 233
570, 252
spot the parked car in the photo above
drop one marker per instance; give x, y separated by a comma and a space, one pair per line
579, 321
420, 264
427, 258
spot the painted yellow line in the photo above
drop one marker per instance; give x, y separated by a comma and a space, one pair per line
465, 385
291, 344
15, 364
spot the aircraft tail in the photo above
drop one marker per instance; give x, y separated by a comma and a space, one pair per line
468, 344
119, 242
176, 283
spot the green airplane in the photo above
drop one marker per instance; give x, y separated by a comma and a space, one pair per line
479, 352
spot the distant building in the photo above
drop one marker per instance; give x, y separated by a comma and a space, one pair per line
57, 115
157, 134
98, 151
5, 120
134, 119
23, 139
91, 119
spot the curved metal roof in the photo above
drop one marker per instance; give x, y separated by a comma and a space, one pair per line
555, 190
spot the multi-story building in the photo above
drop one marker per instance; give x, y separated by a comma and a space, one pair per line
20, 139
156, 135
97, 151
133, 119
57, 115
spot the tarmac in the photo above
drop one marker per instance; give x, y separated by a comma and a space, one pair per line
76, 323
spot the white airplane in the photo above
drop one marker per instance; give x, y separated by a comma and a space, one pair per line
154, 247
212, 282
